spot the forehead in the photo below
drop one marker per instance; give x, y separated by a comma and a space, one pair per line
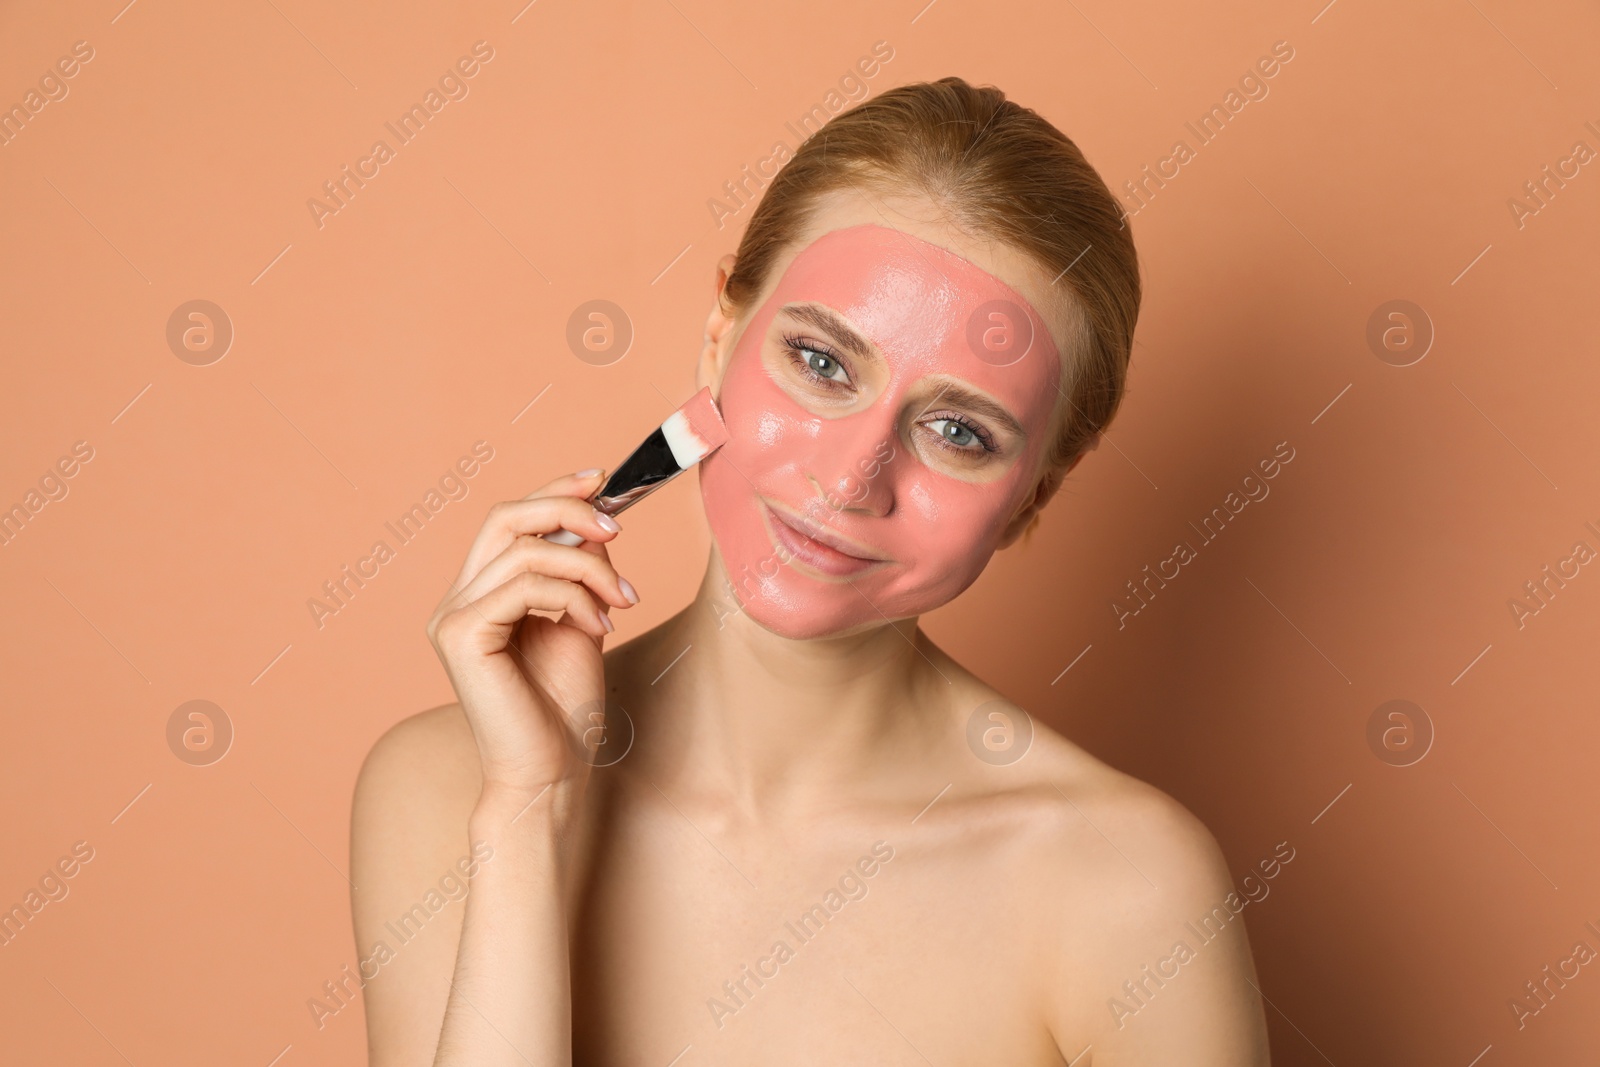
929, 311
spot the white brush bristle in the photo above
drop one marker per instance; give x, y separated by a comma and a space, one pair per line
688, 447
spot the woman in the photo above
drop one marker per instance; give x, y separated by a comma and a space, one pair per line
828, 842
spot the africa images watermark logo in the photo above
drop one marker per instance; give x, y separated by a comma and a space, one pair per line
739, 193
1253, 86
52, 88
1139, 991
453, 485
740, 990
1255, 489
52, 888
52, 486
453, 85
341, 992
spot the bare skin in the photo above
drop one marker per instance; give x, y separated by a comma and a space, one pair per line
960, 912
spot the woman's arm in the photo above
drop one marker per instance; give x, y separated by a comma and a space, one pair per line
486, 968
511, 1001
409, 837
520, 676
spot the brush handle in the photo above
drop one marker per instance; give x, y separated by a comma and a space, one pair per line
605, 504
650, 466
610, 501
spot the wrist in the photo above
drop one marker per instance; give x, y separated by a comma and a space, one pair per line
504, 810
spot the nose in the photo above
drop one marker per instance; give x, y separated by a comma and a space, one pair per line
853, 471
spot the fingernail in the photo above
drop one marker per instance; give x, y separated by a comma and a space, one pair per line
606, 521
606, 619
590, 473
627, 590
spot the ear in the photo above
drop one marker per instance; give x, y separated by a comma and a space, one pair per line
1042, 493
717, 346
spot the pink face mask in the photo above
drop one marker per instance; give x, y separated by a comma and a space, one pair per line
858, 486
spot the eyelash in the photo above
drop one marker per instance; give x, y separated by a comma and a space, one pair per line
985, 438
798, 346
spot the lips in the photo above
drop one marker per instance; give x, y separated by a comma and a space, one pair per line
817, 548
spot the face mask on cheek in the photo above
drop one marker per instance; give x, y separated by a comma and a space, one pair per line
826, 522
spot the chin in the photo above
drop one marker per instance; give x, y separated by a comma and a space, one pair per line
796, 587
811, 625
802, 607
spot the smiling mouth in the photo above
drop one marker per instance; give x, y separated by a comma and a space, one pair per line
819, 551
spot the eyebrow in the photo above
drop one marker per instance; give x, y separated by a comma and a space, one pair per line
978, 404
836, 325
827, 320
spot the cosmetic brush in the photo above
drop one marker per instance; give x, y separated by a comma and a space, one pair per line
689, 435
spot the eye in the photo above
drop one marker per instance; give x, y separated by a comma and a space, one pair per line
824, 366
816, 363
954, 432
958, 435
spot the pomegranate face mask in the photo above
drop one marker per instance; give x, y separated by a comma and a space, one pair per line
886, 407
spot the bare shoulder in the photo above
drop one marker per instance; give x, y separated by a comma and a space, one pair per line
1135, 942
1151, 963
1074, 814
1138, 825
1079, 816
417, 787
421, 762
409, 860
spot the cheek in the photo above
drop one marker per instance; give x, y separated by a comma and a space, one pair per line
765, 428
769, 430
946, 530
764, 436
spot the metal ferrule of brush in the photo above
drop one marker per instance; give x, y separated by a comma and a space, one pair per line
650, 467
612, 503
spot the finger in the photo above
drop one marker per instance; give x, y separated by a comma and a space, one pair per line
484, 625
579, 625
628, 589
596, 548
511, 519
539, 556
582, 483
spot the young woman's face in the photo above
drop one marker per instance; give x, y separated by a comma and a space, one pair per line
887, 408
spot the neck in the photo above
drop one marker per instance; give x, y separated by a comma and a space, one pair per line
762, 722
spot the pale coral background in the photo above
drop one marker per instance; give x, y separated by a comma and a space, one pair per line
371, 353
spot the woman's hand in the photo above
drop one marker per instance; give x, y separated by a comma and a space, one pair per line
525, 679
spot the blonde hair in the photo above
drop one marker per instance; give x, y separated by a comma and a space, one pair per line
1000, 171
